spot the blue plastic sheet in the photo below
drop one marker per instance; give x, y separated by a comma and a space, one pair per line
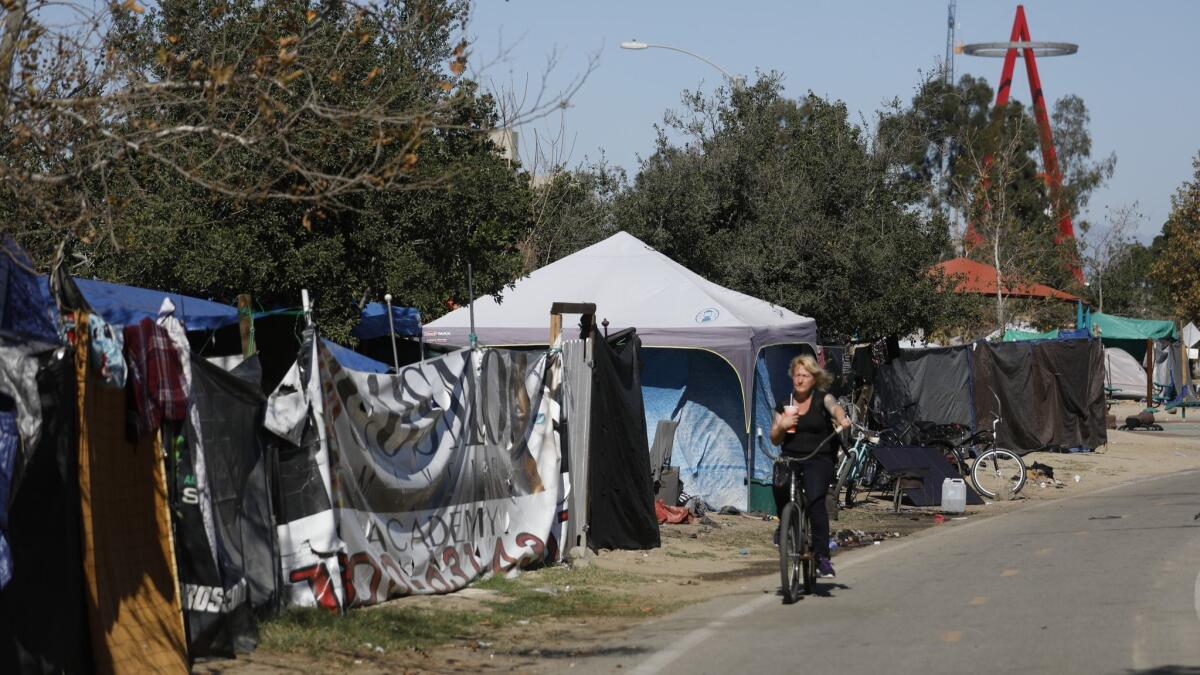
8, 457
124, 305
25, 307
374, 322
700, 390
772, 383
353, 360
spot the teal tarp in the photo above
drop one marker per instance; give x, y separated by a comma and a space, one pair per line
1123, 328
1014, 335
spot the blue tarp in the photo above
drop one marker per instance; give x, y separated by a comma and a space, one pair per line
25, 308
771, 384
353, 360
700, 390
374, 322
124, 305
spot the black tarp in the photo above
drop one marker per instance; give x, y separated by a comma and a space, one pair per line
223, 588
1050, 392
927, 384
620, 492
43, 627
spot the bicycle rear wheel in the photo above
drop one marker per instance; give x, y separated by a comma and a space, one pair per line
998, 474
789, 551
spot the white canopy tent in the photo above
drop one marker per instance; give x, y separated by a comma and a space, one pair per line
633, 286
689, 325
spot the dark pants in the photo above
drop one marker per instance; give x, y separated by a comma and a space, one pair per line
816, 474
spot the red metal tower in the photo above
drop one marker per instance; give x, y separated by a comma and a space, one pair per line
1021, 44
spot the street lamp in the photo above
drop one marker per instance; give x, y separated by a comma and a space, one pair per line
738, 81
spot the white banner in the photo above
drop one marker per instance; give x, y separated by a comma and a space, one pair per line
438, 475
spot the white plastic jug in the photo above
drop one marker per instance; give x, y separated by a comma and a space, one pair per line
954, 495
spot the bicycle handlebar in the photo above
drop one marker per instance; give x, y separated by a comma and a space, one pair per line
780, 457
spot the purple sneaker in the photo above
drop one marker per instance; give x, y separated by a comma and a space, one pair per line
825, 568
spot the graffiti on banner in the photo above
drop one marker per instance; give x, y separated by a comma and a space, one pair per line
444, 472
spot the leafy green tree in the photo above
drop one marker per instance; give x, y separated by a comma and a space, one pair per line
788, 201
958, 127
1176, 265
216, 147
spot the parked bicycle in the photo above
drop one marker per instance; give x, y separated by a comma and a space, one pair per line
994, 472
797, 564
855, 461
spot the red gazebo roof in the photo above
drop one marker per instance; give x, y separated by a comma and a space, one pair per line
978, 278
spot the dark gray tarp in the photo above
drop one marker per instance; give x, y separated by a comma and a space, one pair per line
928, 384
223, 588
620, 493
1049, 393
43, 628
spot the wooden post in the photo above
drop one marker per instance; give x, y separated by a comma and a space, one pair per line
1149, 373
246, 324
586, 309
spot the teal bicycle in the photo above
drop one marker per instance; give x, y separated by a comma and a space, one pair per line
854, 465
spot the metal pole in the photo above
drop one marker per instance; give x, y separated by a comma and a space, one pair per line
306, 307
387, 298
474, 339
421, 336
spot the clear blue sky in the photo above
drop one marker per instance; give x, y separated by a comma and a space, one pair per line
1132, 67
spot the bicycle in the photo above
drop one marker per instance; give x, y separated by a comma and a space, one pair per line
854, 463
796, 559
996, 472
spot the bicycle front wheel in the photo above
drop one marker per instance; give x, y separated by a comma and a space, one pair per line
998, 474
789, 551
843, 481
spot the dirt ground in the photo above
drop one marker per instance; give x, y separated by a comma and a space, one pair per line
700, 561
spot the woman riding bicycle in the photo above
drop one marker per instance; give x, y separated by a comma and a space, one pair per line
799, 427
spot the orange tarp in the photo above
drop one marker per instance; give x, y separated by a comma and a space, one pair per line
133, 603
976, 277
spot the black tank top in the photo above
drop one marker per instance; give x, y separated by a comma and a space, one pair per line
812, 428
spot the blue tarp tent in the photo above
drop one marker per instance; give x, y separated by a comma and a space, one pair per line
374, 322
122, 305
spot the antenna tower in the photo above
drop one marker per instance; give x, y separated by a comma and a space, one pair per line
948, 67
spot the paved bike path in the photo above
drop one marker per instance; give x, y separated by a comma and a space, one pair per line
1106, 582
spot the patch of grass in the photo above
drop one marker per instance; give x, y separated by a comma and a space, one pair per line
319, 632
533, 596
690, 554
557, 592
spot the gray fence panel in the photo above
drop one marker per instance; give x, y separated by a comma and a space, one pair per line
577, 409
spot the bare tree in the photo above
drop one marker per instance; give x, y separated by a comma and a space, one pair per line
1016, 249
1104, 247
307, 102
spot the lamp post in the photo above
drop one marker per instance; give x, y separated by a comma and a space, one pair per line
737, 81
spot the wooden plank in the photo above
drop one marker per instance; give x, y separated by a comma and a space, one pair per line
246, 324
555, 327
573, 308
